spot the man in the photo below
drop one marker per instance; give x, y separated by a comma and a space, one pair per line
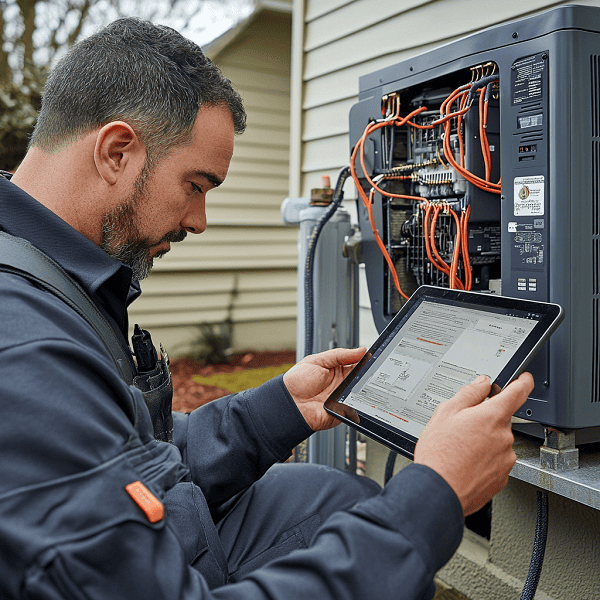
136, 127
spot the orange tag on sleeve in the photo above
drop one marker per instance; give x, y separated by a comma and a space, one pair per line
146, 500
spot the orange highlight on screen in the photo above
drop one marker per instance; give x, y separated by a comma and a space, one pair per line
397, 417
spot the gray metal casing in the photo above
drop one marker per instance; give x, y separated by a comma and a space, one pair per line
335, 312
565, 45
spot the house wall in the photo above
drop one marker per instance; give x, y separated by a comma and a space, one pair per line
243, 267
335, 42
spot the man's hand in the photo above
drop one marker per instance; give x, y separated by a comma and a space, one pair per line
312, 380
469, 441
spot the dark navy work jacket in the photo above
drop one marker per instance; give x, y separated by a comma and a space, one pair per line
73, 436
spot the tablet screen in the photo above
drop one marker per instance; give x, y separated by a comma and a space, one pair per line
439, 349
437, 344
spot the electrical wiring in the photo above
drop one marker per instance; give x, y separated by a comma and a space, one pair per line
457, 252
432, 211
454, 281
477, 181
429, 237
485, 146
464, 219
394, 120
461, 143
484, 184
452, 113
382, 247
359, 148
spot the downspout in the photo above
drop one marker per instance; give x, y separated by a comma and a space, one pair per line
296, 95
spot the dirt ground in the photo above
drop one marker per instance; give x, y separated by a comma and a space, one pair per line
189, 394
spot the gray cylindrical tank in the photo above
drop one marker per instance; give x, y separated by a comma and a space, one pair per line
334, 283
335, 303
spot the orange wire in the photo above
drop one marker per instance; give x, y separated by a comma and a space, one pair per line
461, 143
441, 120
455, 93
487, 144
368, 202
456, 254
430, 245
382, 247
454, 280
464, 219
360, 146
485, 147
483, 184
477, 181
441, 266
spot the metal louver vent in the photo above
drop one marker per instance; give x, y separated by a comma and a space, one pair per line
595, 351
595, 141
595, 74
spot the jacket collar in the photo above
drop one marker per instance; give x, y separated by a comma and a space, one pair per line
107, 281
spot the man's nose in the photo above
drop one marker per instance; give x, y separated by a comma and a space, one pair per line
195, 220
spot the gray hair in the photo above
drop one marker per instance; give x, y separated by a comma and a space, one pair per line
147, 75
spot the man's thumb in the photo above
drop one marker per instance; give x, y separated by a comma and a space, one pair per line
472, 394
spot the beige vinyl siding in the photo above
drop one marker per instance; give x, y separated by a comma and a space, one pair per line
195, 300
341, 40
344, 40
222, 248
243, 266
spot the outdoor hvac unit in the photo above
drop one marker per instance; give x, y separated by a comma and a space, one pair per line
479, 162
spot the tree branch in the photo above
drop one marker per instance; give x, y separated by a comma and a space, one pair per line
83, 13
25, 40
5, 72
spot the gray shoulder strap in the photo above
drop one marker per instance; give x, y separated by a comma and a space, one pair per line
20, 257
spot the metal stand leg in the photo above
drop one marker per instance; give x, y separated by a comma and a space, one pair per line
559, 452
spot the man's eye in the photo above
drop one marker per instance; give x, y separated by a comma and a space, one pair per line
196, 188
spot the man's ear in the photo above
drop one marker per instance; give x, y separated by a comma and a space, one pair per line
117, 146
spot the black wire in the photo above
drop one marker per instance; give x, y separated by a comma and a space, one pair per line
338, 196
389, 466
539, 547
477, 85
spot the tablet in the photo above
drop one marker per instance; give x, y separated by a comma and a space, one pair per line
439, 341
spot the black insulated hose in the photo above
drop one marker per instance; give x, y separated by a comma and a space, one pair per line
477, 85
539, 547
389, 467
309, 325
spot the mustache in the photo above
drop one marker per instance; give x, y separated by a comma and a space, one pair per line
178, 235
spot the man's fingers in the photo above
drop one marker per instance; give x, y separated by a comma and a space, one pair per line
514, 395
338, 357
471, 394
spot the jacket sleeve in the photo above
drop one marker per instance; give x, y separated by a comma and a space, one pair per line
388, 547
229, 443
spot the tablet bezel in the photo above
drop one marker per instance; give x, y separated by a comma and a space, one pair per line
399, 440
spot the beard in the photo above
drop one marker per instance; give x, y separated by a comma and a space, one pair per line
121, 236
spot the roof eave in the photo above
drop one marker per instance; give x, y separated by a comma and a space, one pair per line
214, 48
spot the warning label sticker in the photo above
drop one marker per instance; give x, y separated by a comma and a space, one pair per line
529, 196
527, 75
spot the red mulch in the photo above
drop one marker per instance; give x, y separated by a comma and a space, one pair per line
188, 394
